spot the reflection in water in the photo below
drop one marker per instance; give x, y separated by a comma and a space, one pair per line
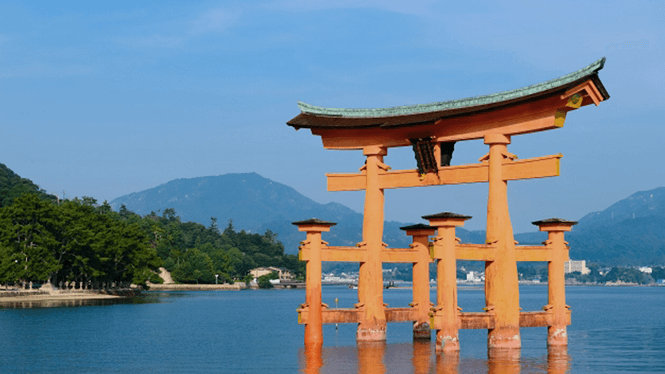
370, 357
422, 355
558, 360
313, 359
65, 303
420, 358
447, 363
501, 361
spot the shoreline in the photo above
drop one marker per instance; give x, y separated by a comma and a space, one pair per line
197, 287
65, 295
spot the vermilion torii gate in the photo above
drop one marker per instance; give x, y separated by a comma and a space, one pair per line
432, 129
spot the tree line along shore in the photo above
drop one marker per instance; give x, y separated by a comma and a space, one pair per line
80, 244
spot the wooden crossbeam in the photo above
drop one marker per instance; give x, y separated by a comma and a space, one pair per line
354, 315
468, 252
475, 252
358, 254
483, 320
539, 167
467, 320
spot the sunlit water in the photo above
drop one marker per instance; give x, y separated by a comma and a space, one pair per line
615, 329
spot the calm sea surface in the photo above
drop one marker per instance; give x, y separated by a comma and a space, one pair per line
614, 330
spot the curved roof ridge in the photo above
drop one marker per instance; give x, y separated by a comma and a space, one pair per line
454, 104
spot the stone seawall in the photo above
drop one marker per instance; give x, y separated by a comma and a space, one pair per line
197, 287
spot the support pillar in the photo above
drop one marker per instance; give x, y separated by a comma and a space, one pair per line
501, 280
446, 310
314, 326
557, 334
372, 326
421, 301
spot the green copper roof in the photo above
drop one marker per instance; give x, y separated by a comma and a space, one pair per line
454, 104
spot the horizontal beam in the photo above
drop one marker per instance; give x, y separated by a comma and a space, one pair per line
539, 167
483, 320
475, 252
467, 320
357, 254
340, 254
354, 315
468, 252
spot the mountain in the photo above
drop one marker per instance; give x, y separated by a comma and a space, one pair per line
255, 204
630, 232
644, 204
13, 186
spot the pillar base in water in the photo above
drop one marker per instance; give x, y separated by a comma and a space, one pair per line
506, 338
370, 335
557, 336
447, 343
422, 331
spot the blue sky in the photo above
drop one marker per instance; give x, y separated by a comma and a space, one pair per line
107, 98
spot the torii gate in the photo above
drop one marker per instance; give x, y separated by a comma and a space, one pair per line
432, 130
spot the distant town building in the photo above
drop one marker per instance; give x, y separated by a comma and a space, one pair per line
573, 266
283, 273
645, 269
474, 276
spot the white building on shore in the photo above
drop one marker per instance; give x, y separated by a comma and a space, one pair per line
573, 266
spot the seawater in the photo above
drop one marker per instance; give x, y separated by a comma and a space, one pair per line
614, 330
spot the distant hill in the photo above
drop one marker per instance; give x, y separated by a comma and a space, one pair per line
630, 232
13, 186
257, 204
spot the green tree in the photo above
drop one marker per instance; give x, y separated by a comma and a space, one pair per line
264, 280
27, 240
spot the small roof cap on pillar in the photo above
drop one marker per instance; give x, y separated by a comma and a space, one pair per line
446, 215
314, 221
554, 221
419, 226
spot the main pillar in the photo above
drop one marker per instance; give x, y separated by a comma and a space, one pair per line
372, 326
501, 281
446, 310
421, 301
556, 282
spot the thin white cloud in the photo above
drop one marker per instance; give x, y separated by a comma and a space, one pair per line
414, 7
153, 41
214, 20
179, 33
44, 70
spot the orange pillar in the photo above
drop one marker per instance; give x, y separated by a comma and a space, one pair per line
501, 281
313, 243
556, 284
446, 310
372, 326
420, 234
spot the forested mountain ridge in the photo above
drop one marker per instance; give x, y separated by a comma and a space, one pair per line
638, 205
42, 239
257, 204
13, 186
630, 232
